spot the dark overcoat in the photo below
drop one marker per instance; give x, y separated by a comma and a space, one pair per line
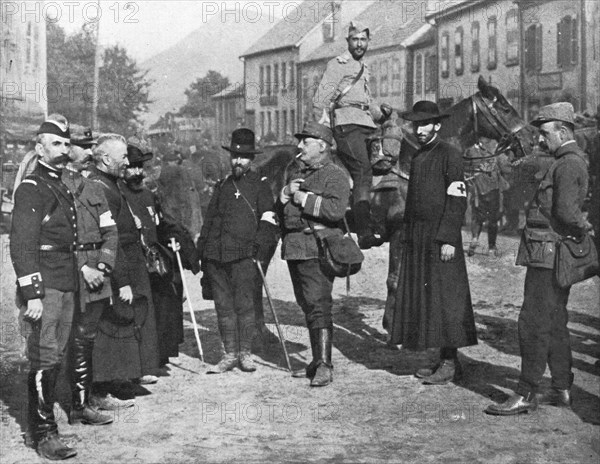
126, 346
433, 301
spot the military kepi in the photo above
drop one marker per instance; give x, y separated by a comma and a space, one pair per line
561, 111
82, 137
316, 131
242, 144
424, 111
50, 126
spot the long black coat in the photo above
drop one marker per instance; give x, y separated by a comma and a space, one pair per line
433, 301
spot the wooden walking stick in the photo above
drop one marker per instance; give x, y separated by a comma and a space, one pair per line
262, 275
187, 297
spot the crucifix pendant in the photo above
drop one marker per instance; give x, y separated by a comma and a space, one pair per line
237, 194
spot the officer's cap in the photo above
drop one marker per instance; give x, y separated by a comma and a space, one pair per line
83, 137
316, 131
561, 111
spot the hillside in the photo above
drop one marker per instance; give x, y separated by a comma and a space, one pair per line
214, 45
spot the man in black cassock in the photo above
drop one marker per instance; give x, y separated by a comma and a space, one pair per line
433, 301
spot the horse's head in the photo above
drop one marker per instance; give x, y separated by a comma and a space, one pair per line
494, 117
384, 148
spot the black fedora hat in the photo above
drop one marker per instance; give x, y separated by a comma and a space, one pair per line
242, 143
423, 111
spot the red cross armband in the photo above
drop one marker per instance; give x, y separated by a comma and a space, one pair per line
457, 189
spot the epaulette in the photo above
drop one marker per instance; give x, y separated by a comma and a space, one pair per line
29, 181
341, 59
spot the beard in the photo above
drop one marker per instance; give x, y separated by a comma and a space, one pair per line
237, 170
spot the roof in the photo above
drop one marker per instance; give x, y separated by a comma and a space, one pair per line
288, 32
388, 25
445, 8
425, 34
234, 90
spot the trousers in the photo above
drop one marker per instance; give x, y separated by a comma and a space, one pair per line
312, 289
543, 332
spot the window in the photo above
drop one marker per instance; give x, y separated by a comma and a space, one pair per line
29, 45
261, 79
268, 80
419, 74
430, 72
445, 54
383, 80
275, 78
262, 123
458, 51
276, 128
396, 77
284, 123
512, 38
292, 121
284, 75
567, 45
533, 48
292, 76
475, 47
492, 43
269, 123
373, 79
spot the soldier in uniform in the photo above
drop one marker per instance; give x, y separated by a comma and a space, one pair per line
433, 301
555, 212
96, 252
240, 226
343, 101
127, 344
43, 239
314, 201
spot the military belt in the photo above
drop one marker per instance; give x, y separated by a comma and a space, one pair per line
360, 106
71, 248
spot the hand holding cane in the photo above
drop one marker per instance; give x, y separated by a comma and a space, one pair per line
262, 275
187, 296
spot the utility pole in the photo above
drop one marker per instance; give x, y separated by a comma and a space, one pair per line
97, 58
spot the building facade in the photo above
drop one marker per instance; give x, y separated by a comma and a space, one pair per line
23, 89
421, 65
229, 111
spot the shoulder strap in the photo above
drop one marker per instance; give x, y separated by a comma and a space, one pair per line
349, 86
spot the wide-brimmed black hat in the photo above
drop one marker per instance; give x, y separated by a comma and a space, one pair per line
423, 111
138, 150
242, 143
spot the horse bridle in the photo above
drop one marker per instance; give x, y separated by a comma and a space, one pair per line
508, 134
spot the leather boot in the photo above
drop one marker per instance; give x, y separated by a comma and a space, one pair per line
40, 390
310, 370
516, 404
556, 397
324, 374
81, 382
362, 218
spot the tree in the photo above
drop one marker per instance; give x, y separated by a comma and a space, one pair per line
199, 103
122, 91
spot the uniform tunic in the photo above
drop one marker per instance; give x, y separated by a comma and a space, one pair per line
42, 242
433, 301
126, 350
329, 191
555, 211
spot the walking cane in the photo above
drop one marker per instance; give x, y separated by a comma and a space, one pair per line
262, 275
187, 296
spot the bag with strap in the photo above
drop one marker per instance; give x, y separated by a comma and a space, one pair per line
575, 260
339, 254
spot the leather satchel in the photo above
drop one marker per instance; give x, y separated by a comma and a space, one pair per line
575, 260
339, 254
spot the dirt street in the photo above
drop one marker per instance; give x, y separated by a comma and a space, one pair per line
375, 410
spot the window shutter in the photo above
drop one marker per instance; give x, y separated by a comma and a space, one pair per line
574, 45
559, 47
538, 47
